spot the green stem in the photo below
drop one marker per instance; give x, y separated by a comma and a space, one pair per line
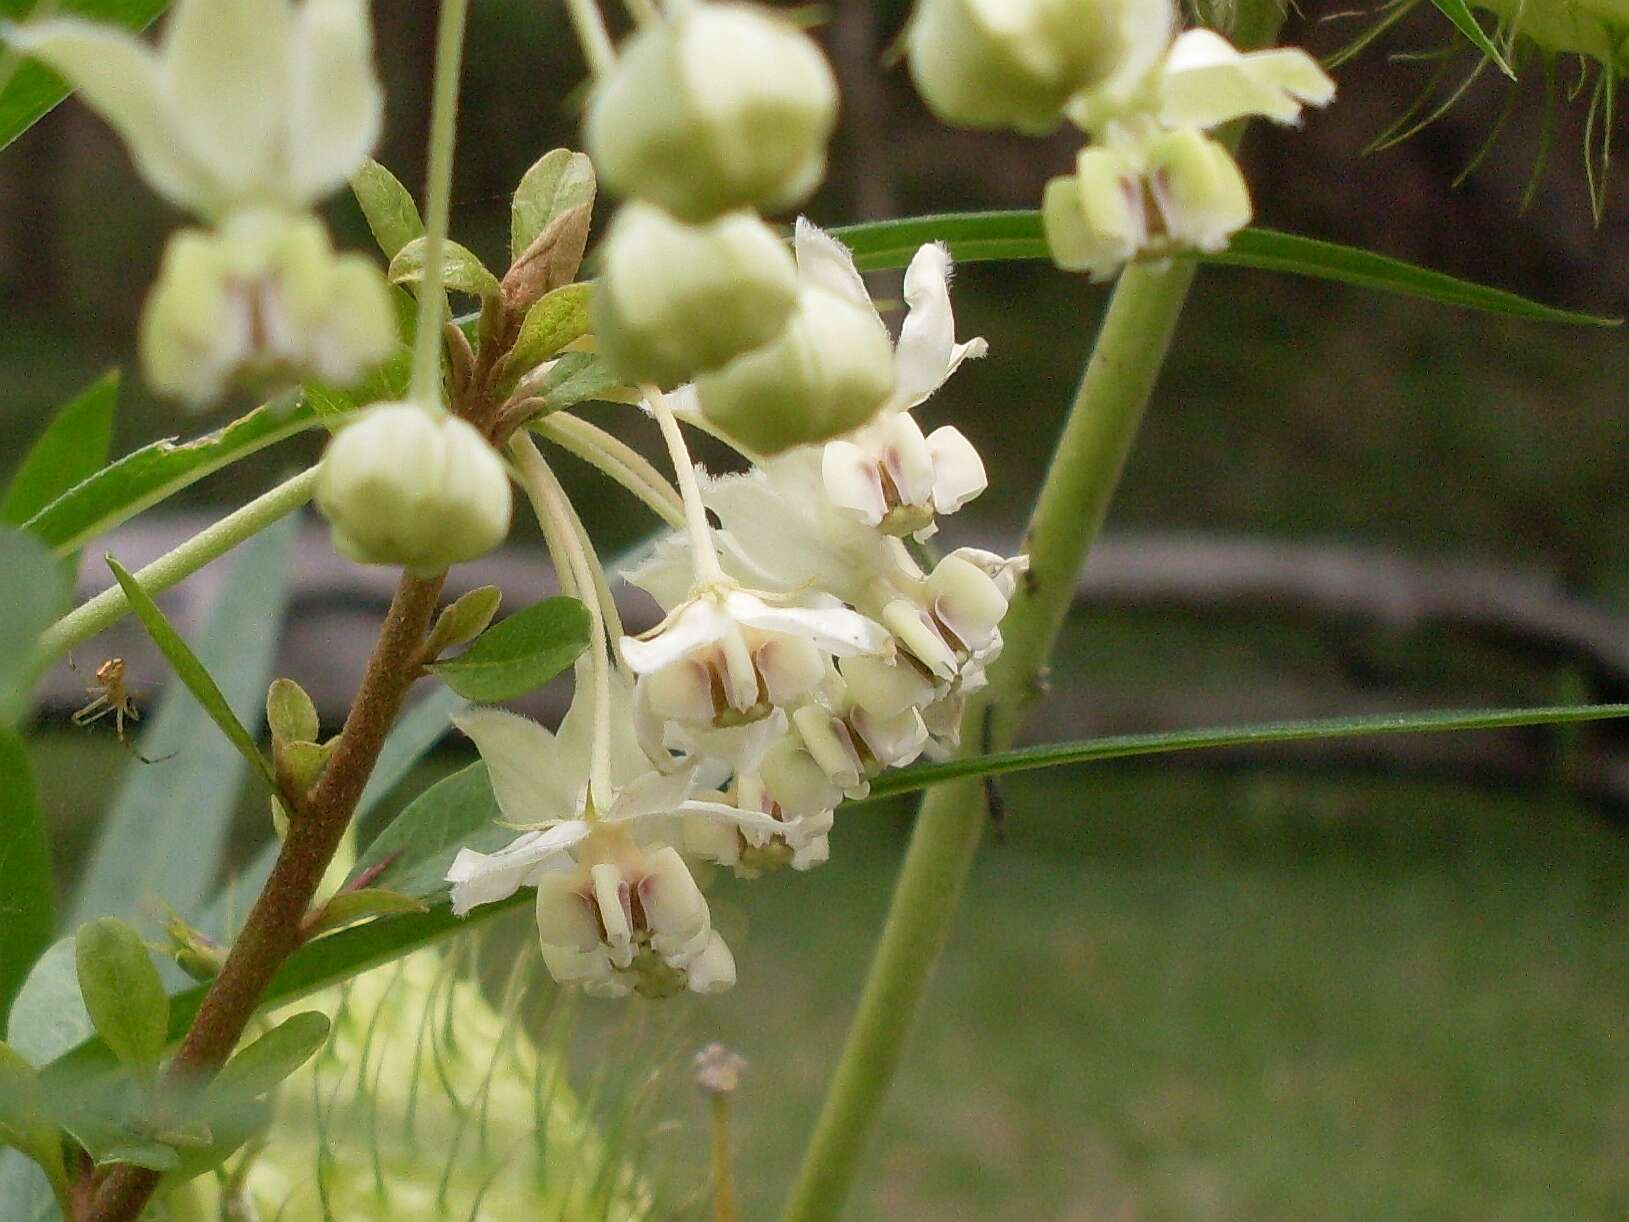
1081, 481
589, 23
111, 605
438, 203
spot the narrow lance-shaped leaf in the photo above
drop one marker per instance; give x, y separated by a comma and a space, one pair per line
147, 476
411, 856
72, 448
25, 872
260, 1066
1128, 745
520, 653
191, 671
35, 589
167, 831
986, 236
1458, 12
123, 993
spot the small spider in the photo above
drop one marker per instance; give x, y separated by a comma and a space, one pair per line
110, 696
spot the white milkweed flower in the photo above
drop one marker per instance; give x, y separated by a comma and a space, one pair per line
726, 655
400, 486
617, 909
803, 819
263, 300
246, 103
723, 106
888, 473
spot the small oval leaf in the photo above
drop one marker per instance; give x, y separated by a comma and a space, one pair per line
291, 714
388, 206
522, 652
554, 321
558, 181
466, 618
123, 992
461, 270
260, 1066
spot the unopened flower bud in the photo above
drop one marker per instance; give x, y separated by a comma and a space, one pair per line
1016, 63
827, 373
722, 107
264, 299
402, 487
676, 299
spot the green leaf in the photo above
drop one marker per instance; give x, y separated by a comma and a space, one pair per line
48, 1016
36, 588
1126, 745
559, 181
131, 1149
466, 618
982, 236
31, 93
142, 479
554, 321
579, 377
1458, 12
349, 907
461, 270
522, 652
260, 1066
25, 872
19, 1095
122, 992
72, 449
166, 834
192, 672
291, 715
388, 206
413, 853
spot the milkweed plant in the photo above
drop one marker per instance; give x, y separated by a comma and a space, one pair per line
818, 643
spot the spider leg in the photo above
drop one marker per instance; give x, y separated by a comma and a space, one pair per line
94, 711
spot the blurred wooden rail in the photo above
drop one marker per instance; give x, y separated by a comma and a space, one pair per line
1346, 590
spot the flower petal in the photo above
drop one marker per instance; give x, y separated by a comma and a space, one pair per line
837, 630
958, 471
852, 481
696, 623
533, 778
226, 63
336, 108
119, 77
927, 352
1205, 81
485, 878
825, 262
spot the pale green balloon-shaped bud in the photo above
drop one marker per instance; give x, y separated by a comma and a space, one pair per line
829, 371
675, 299
723, 107
1016, 63
263, 300
402, 487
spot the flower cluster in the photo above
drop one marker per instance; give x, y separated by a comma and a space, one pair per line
249, 113
804, 649
1152, 182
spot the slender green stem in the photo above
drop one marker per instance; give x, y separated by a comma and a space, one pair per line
616, 459
1069, 512
589, 23
111, 605
438, 204
703, 554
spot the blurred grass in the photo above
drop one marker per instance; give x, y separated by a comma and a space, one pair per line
1180, 995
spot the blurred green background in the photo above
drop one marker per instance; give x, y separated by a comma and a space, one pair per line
1349, 990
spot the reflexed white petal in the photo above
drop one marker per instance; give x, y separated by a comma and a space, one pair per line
852, 481
958, 471
532, 777
654, 793
922, 356
827, 263
227, 65
336, 107
119, 78
696, 623
713, 970
837, 630
884, 687
1205, 81
485, 878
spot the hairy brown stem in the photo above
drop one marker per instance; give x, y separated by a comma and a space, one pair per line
273, 930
